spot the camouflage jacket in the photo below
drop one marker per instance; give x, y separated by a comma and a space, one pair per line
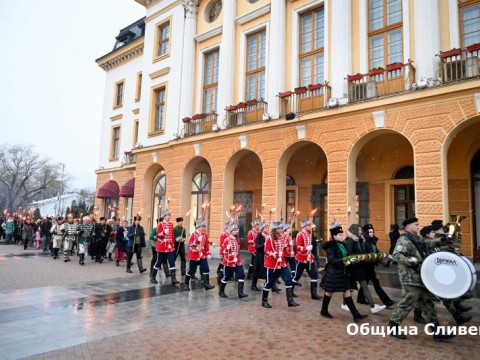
409, 246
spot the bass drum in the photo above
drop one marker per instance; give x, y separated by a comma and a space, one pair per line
448, 275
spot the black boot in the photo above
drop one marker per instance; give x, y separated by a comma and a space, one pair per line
277, 281
241, 284
440, 337
153, 276
254, 284
313, 291
183, 267
275, 288
249, 274
140, 266
324, 312
351, 306
394, 330
417, 316
118, 263
166, 269
265, 303
81, 261
174, 277
129, 270
206, 282
55, 253
460, 307
110, 257
293, 288
461, 318
186, 284
290, 300
221, 291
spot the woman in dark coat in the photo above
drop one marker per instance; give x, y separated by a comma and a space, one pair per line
121, 242
336, 278
394, 235
258, 271
358, 271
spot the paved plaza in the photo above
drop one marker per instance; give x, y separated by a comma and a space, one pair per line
55, 310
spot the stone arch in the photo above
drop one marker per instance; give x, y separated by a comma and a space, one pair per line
153, 172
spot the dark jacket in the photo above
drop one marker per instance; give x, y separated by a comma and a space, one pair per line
131, 235
356, 246
394, 236
120, 239
45, 228
102, 232
336, 279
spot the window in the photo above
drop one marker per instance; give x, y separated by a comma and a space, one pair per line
119, 88
214, 10
159, 199
404, 198
256, 44
159, 102
138, 90
405, 172
115, 143
210, 82
136, 124
469, 13
311, 47
385, 32
162, 47
200, 193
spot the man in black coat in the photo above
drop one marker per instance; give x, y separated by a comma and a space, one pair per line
101, 235
45, 232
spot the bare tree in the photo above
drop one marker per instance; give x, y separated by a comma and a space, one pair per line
26, 176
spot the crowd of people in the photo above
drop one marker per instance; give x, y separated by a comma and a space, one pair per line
274, 255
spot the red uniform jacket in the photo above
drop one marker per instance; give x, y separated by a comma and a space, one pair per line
165, 241
252, 235
231, 257
273, 248
303, 240
288, 251
224, 235
199, 246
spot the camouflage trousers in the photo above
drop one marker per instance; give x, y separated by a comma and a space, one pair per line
411, 296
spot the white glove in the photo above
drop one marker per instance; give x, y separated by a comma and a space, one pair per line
166, 231
279, 259
280, 254
209, 257
228, 247
413, 259
309, 247
290, 243
200, 238
235, 259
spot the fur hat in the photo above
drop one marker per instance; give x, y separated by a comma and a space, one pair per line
335, 228
263, 225
233, 227
305, 222
199, 223
287, 226
255, 223
437, 225
409, 221
165, 213
277, 225
367, 227
138, 217
426, 230
179, 219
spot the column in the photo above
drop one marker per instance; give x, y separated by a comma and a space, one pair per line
276, 56
188, 59
341, 45
226, 65
427, 38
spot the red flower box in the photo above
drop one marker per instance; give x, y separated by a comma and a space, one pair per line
300, 90
231, 108
450, 53
354, 77
394, 66
315, 87
251, 102
285, 94
473, 47
199, 116
241, 105
374, 72
186, 119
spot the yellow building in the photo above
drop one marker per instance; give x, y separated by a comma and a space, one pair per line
364, 111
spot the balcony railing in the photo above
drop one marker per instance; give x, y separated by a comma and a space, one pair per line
304, 99
460, 64
199, 124
130, 158
394, 78
245, 113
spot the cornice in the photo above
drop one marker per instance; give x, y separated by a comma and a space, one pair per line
116, 117
162, 11
208, 34
136, 111
122, 55
252, 15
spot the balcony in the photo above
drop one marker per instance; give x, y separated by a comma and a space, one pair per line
244, 113
459, 64
199, 124
304, 99
393, 79
129, 158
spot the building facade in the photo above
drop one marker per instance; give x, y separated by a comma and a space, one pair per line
364, 111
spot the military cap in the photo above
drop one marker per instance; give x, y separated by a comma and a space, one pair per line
409, 221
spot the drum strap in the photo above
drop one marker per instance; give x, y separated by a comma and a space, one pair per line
418, 245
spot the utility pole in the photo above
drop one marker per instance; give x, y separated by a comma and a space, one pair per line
60, 199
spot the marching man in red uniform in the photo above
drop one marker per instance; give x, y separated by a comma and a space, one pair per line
275, 264
198, 254
289, 251
165, 245
232, 262
224, 235
305, 258
252, 235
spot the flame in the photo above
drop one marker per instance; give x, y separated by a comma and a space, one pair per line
313, 212
293, 210
273, 210
232, 207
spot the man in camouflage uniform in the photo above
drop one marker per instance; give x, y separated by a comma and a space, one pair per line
409, 253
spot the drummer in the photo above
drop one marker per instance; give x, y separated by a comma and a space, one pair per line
409, 253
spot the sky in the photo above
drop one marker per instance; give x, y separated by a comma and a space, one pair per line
51, 89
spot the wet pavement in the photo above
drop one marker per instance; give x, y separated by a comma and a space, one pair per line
55, 310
